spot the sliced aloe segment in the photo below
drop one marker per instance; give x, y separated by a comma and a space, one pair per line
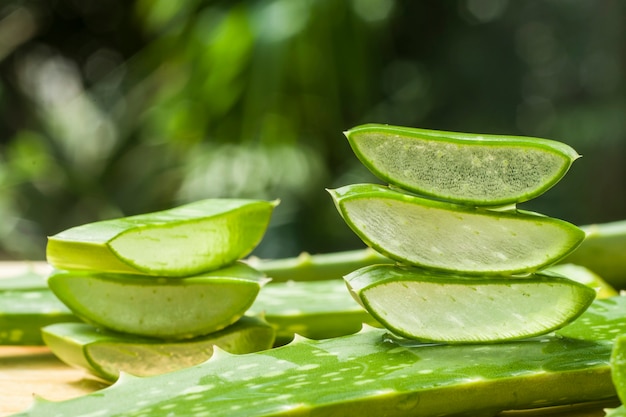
365, 374
462, 167
186, 240
450, 237
313, 309
431, 307
106, 354
165, 307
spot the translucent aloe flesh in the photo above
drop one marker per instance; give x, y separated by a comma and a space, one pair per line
430, 307
369, 374
448, 237
164, 307
462, 167
106, 354
186, 240
313, 309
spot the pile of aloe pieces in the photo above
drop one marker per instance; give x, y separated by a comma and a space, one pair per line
466, 305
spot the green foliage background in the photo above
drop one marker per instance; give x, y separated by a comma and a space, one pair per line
113, 107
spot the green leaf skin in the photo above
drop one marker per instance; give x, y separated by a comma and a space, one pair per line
174, 308
313, 309
618, 366
448, 237
368, 374
604, 252
616, 412
431, 307
583, 276
24, 312
183, 241
462, 167
322, 266
106, 354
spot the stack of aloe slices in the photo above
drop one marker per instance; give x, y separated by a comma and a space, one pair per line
470, 265
168, 284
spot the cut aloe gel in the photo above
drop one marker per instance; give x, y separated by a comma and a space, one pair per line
449, 237
186, 240
462, 167
106, 354
431, 307
165, 307
313, 309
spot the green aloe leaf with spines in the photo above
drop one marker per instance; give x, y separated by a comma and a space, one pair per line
173, 308
369, 374
448, 237
436, 307
464, 168
106, 354
182, 241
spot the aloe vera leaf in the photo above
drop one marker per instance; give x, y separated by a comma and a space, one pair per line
106, 354
164, 307
616, 412
24, 312
435, 307
313, 267
313, 309
462, 167
618, 366
449, 237
366, 374
603, 251
183, 241
584, 276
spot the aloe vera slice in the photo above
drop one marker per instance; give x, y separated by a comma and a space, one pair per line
163, 308
367, 374
186, 240
462, 167
313, 309
449, 237
106, 354
618, 373
430, 307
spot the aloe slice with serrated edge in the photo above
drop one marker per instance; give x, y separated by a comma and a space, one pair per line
106, 354
186, 240
462, 167
313, 309
367, 374
431, 307
450, 237
164, 307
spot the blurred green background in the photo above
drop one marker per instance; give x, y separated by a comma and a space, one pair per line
116, 107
